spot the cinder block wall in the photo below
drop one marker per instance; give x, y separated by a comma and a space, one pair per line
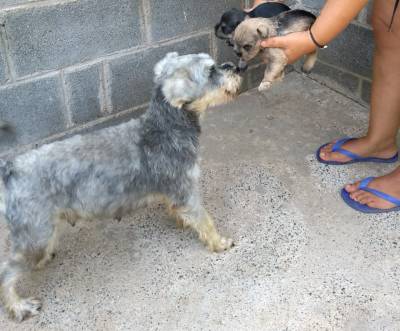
69, 66
346, 65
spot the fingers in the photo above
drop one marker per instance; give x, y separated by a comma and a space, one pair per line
273, 43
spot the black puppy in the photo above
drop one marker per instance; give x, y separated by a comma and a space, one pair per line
232, 18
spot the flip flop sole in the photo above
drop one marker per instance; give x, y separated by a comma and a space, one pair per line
361, 160
364, 208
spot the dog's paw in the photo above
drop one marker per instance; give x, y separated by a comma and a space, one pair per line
306, 69
220, 245
45, 261
25, 308
181, 224
264, 86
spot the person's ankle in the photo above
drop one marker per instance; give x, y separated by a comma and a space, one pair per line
379, 144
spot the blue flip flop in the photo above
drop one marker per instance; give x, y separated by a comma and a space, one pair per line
337, 148
364, 208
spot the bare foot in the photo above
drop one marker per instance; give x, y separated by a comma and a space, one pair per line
362, 147
389, 184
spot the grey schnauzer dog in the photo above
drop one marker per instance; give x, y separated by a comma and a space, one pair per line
110, 172
249, 34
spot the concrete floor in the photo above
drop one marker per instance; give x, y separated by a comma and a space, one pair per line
303, 260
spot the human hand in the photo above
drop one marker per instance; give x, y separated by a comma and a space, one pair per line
295, 45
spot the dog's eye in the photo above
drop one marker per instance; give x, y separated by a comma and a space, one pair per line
247, 48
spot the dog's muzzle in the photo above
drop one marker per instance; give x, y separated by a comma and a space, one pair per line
229, 66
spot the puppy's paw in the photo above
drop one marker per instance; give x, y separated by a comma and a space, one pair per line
219, 245
25, 308
264, 86
306, 69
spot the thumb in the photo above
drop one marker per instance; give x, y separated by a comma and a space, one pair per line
275, 42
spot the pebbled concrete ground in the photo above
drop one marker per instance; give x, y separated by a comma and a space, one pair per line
302, 261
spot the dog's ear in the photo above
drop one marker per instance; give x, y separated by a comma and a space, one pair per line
263, 31
161, 68
179, 91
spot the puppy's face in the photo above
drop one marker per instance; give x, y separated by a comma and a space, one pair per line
195, 81
248, 36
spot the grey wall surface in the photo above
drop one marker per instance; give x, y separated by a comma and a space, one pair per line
346, 64
69, 66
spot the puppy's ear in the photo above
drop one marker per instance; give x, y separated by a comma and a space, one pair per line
161, 68
263, 31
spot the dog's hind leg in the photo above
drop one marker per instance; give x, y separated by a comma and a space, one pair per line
50, 251
19, 308
30, 234
195, 216
309, 62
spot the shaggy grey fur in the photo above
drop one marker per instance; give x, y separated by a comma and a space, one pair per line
110, 172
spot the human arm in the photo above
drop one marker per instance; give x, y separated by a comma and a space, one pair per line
335, 16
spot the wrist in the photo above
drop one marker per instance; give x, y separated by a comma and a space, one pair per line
310, 46
315, 40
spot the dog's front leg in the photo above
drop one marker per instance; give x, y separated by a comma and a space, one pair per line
276, 62
195, 216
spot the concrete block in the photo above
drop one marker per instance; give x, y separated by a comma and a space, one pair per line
132, 75
365, 15
352, 51
366, 91
170, 18
313, 4
3, 76
335, 78
10, 3
61, 34
225, 53
84, 90
256, 75
34, 109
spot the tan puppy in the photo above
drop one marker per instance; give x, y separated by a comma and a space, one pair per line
249, 34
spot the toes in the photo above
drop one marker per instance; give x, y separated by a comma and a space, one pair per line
351, 188
357, 195
220, 245
25, 308
364, 198
327, 149
264, 86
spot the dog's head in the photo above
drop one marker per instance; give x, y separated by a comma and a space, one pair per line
248, 36
195, 82
228, 23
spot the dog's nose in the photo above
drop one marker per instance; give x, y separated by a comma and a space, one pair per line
238, 53
228, 66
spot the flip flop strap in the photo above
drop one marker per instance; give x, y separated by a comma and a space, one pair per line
364, 186
337, 148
